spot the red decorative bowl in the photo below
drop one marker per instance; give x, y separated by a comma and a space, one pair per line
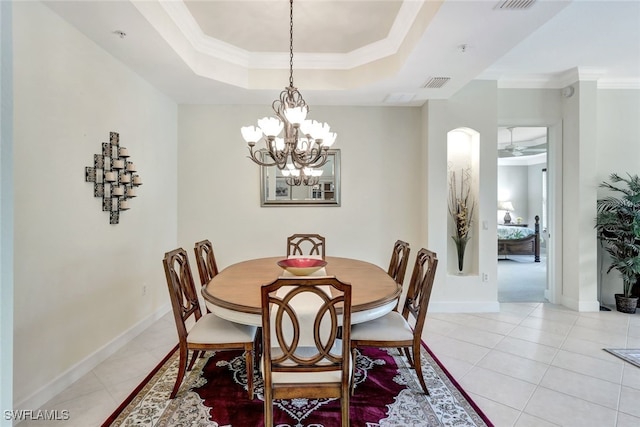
302, 266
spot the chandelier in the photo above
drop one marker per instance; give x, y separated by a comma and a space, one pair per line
304, 144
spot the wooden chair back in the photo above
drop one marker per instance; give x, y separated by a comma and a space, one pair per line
300, 337
206, 261
210, 333
182, 290
306, 244
399, 261
419, 293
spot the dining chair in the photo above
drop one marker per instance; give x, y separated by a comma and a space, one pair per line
399, 261
306, 244
206, 261
209, 332
303, 356
393, 329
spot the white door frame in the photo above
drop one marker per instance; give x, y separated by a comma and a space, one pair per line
554, 194
553, 291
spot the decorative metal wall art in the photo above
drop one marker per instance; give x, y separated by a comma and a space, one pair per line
114, 178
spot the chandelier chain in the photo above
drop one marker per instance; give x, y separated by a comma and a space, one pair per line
291, 43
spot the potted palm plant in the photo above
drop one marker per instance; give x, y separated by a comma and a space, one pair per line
618, 228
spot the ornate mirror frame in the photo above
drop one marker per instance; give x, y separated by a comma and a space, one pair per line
275, 192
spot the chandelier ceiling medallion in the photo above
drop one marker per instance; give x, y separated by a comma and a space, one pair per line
305, 143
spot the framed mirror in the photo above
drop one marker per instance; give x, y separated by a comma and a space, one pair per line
275, 191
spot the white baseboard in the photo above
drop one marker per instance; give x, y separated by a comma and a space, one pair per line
64, 380
464, 306
586, 306
581, 306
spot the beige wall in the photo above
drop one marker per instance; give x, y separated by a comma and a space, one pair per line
78, 279
6, 207
474, 107
219, 196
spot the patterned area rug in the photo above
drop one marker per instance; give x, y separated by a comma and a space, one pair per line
631, 355
214, 393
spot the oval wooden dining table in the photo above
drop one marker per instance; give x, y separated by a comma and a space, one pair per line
234, 293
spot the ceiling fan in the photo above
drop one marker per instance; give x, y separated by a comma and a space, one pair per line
523, 148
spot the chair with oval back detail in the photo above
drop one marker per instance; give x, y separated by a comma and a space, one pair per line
399, 261
393, 329
306, 244
209, 332
303, 355
206, 261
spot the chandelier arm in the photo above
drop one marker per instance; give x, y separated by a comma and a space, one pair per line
317, 158
277, 160
279, 156
258, 160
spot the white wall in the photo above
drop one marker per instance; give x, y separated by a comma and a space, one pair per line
6, 210
219, 197
473, 107
78, 279
579, 252
513, 185
618, 150
522, 184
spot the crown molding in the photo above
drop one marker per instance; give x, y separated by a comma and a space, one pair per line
203, 44
564, 79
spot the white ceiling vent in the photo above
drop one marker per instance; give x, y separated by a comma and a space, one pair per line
436, 82
515, 4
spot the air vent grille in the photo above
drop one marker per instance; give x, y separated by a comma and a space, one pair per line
515, 4
436, 82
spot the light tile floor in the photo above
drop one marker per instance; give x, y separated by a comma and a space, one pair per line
531, 364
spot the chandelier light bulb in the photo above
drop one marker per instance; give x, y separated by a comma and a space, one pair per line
307, 127
295, 115
329, 139
324, 129
251, 134
270, 126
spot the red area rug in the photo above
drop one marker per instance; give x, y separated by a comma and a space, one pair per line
214, 394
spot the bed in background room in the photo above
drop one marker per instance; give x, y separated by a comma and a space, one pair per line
518, 239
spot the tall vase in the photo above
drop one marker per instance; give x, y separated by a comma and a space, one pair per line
461, 245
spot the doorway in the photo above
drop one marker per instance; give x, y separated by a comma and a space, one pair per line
522, 197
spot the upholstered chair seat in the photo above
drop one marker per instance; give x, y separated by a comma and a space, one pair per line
390, 325
211, 329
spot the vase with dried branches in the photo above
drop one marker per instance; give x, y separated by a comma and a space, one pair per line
461, 208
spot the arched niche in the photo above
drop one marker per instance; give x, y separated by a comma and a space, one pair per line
463, 153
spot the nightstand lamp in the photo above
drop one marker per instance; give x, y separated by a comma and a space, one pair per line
507, 207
